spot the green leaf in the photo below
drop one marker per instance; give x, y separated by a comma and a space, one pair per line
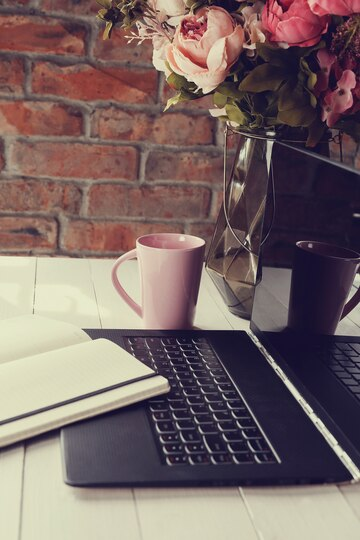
274, 55
108, 29
219, 100
176, 81
298, 116
264, 77
180, 97
315, 133
229, 89
235, 114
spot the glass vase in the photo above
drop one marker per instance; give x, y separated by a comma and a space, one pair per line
234, 257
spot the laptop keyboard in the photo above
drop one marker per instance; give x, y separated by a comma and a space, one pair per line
202, 420
343, 359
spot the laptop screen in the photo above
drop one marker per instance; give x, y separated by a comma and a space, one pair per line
314, 198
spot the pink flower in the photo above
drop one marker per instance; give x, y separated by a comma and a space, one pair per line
253, 28
292, 23
205, 46
340, 100
326, 60
334, 7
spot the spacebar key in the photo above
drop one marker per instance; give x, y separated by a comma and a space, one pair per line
214, 444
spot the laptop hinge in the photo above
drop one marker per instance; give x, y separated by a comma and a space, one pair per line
319, 424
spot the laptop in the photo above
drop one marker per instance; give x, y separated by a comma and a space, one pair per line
260, 408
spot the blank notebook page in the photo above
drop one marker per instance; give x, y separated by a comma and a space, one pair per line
50, 379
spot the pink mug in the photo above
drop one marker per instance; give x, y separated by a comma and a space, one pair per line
170, 271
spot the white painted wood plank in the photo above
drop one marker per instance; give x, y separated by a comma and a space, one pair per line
54, 511
193, 514
298, 513
351, 494
115, 313
11, 469
64, 291
17, 279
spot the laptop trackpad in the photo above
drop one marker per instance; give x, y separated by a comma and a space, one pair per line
121, 440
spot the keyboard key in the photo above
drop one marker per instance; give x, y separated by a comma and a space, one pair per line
228, 425
217, 406
258, 445
233, 436
243, 458
199, 459
214, 444
245, 423
176, 460
190, 437
204, 419
195, 448
208, 429
174, 449
183, 414
195, 400
161, 415
222, 415
221, 459
264, 457
239, 446
162, 406
169, 438
165, 427
251, 433
199, 409
185, 424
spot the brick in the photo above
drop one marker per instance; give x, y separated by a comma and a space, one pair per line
35, 196
28, 234
2, 157
103, 237
76, 7
74, 160
87, 83
41, 35
13, 3
178, 129
118, 48
39, 118
12, 76
186, 166
166, 202
203, 230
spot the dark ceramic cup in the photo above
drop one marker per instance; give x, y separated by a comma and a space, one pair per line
321, 280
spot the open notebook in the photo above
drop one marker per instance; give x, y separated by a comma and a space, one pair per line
52, 373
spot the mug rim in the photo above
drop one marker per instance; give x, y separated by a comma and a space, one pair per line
348, 253
200, 242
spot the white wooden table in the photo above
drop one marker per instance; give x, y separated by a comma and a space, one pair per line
35, 504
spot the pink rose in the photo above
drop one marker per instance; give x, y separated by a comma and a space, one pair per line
292, 23
334, 7
205, 46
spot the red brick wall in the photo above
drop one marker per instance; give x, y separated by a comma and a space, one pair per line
88, 160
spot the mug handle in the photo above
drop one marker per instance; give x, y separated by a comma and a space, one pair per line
350, 304
124, 295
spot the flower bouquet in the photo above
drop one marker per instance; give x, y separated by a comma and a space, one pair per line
268, 64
